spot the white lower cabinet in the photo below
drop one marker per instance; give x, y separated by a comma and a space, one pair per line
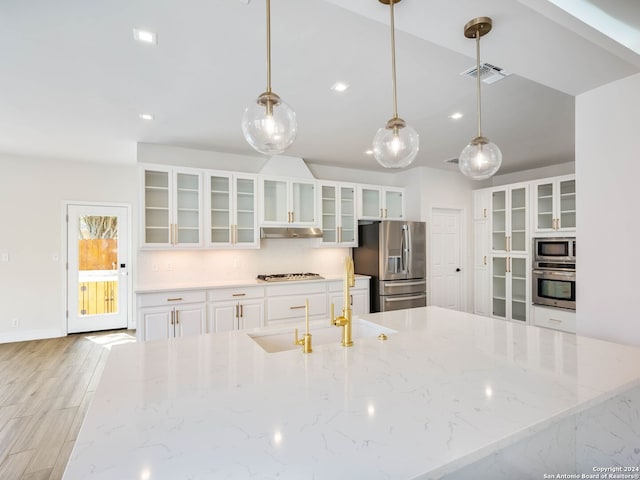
359, 297
510, 287
556, 318
170, 314
235, 309
286, 303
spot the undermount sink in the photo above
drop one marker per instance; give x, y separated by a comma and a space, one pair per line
281, 340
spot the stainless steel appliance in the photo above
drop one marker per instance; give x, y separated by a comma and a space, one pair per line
288, 277
393, 253
555, 249
554, 272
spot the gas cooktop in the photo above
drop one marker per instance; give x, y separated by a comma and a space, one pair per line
286, 277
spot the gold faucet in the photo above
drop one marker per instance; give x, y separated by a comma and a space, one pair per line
305, 341
344, 320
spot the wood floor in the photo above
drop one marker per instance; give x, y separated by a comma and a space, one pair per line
45, 389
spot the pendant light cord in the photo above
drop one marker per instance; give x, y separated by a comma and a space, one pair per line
268, 46
478, 82
393, 61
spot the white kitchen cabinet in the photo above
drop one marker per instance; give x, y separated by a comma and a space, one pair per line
338, 213
286, 303
510, 287
509, 219
288, 202
359, 296
231, 204
380, 203
555, 205
481, 267
172, 205
236, 308
555, 318
170, 314
481, 204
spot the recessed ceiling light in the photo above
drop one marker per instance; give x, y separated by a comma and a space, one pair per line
368, 152
146, 116
456, 116
339, 87
145, 36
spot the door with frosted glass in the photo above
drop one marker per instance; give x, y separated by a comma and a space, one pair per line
97, 276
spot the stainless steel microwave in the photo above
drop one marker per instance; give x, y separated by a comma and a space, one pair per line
558, 250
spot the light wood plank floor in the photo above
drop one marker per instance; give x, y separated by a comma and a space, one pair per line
45, 390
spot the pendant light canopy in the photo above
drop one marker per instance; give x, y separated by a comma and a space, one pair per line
481, 158
396, 144
269, 125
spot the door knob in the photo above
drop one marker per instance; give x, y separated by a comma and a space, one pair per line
457, 269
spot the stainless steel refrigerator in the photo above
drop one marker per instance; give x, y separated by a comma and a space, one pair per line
393, 253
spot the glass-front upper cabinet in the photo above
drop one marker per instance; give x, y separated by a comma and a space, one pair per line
555, 205
509, 219
339, 224
287, 202
172, 203
231, 203
380, 203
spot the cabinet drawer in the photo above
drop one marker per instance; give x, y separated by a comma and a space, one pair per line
279, 308
237, 293
337, 285
302, 288
170, 298
557, 319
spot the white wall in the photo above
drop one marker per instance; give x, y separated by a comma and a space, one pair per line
32, 193
430, 188
607, 172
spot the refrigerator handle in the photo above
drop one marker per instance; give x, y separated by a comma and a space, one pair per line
405, 249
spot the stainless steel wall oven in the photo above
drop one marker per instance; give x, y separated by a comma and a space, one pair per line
554, 272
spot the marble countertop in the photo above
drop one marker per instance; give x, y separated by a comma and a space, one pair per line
248, 282
445, 390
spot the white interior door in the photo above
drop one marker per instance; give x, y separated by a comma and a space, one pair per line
445, 259
97, 276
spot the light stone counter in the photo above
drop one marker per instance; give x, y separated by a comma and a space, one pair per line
449, 392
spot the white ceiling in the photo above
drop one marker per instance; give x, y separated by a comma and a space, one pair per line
74, 81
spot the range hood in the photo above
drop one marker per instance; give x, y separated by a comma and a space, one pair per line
290, 232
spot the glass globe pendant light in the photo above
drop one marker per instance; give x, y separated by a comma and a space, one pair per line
480, 159
396, 144
269, 125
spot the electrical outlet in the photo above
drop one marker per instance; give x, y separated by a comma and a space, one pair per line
154, 267
15, 322
4, 257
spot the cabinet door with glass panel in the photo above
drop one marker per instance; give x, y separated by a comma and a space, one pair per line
380, 203
231, 203
510, 288
172, 205
339, 224
288, 202
509, 219
555, 205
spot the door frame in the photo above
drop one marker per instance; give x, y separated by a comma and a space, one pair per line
64, 267
464, 253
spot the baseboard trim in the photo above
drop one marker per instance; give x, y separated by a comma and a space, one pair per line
30, 335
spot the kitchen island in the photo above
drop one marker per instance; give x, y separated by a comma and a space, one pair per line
448, 395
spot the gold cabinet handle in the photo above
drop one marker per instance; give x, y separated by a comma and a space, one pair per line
484, 213
236, 315
351, 300
293, 217
508, 264
177, 317
381, 213
175, 299
385, 213
484, 260
173, 313
557, 224
238, 294
297, 307
241, 311
555, 320
339, 234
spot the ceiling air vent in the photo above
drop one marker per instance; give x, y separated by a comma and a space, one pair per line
488, 73
455, 161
